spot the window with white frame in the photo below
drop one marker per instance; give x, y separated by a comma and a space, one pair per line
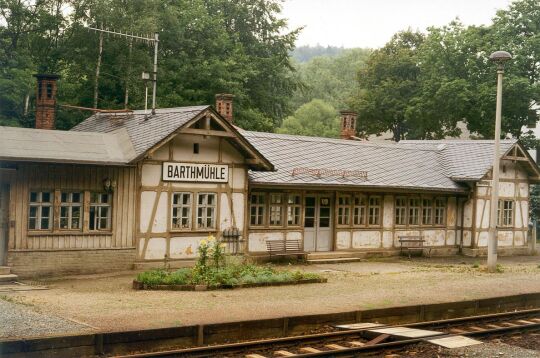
374, 210
427, 211
181, 211
414, 211
71, 210
359, 210
344, 210
257, 209
206, 211
100, 211
276, 209
294, 207
505, 213
440, 211
401, 211
40, 214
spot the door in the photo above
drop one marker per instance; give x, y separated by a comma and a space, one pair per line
4, 205
317, 223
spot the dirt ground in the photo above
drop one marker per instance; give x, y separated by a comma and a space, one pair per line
108, 303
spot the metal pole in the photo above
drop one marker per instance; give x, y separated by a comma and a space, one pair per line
492, 240
156, 41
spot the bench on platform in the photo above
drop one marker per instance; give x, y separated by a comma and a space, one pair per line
413, 243
284, 248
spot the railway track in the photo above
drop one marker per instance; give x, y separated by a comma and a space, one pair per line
352, 342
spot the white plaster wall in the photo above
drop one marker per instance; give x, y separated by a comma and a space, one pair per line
467, 242
468, 211
191, 186
343, 240
229, 154
388, 211
294, 235
185, 247
505, 238
156, 249
451, 237
451, 213
183, 148
151, 174
162, 153
225, 217
366, 239
482, 206
434, 237
506, 189
160, 220
482, 238
238, 178
147, 204
257, 241
388, 239
519, 238
239, 207
524, 190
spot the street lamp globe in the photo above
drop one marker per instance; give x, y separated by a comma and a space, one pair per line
500, 57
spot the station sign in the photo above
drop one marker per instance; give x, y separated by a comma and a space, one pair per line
192, 172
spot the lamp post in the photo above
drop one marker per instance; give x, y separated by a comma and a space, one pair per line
499, 57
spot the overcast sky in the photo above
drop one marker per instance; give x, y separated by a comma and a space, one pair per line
371, 23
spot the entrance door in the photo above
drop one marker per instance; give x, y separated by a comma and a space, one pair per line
317, 223
4, 205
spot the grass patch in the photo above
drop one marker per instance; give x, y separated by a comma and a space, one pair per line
229, 275
499, 268
476, 264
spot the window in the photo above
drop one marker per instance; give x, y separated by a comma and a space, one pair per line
71, 210
100, 211
49, 90
40, 210
440, 211
344, 210
257, 211
359, 210
505, 213
293, 209
427, 211
401, 211
195, 148
309, 213
374, 210
276, 209
181, 211
414, 211
206, 211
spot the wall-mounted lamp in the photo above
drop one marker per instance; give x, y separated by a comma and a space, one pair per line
109, 185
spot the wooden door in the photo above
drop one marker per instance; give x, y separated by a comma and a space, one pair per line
318, 223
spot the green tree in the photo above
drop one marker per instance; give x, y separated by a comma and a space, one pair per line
316, 118
388, 83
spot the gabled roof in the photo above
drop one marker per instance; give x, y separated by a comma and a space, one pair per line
144, 130
41, 145
462, 160
387, 165
423, 165
148, 132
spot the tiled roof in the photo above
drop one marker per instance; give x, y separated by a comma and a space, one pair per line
41, 145
462, 159
426, 165
145, 131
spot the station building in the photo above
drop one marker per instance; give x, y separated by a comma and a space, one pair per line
141, 189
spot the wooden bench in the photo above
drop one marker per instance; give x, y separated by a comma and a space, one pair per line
284, 248
412, 243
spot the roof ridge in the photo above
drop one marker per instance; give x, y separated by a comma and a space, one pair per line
304, 138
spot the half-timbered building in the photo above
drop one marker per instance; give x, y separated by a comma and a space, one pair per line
140, 189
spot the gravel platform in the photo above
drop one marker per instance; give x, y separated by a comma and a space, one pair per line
18, 320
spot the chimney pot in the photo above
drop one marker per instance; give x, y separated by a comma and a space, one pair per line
46, 100
348, 124
224, 105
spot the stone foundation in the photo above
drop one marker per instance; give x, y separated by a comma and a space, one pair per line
31, 264
501, 251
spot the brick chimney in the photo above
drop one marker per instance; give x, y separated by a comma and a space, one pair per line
348, 124
224, 105
46, 100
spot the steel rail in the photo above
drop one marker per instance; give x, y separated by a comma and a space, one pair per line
229, 348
